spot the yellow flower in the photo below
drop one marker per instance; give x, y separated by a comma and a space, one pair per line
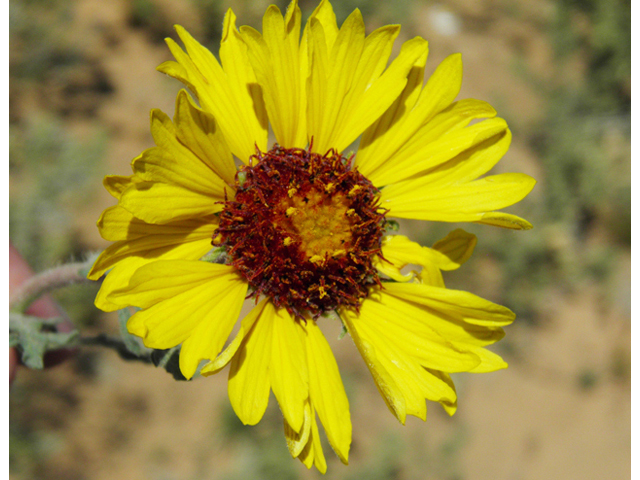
301, 226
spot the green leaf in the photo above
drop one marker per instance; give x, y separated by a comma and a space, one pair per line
343, 332
216, 255
391, 226
131, 342
35, 336
169, 360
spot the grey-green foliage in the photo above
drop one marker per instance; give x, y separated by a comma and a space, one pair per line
211, 13
386, 463
34, 337
262, 445
53, 175
385, 12
583, 137
148, 15
40, 41
601, 31
583, 143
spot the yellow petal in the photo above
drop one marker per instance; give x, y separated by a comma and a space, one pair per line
505, 220
380, 94
457, 203
414, 330
118, 278
159, 246
332, 72
317, 96
369, 96
227, 354
161, 203
448, 178
249, 373
327, 392
356, 92
275, 56
136, 326
457, 246
175, 309
470, 164
344, 57
447, 254
414, 109
117, 224
402, 381
170, 322
164, 279
431, 275
441, 89
199, 131
236, 64
427, 150
326, 18
398, 252
227, 94
312, 453
207, 339
489, 362
386, 332
296, 441
449, 396
288, 372
391, 392
455, 303
173, 162
159, 165
438, 387
371, 150
115, 184
114, 224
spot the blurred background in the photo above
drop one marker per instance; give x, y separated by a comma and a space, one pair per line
82, 83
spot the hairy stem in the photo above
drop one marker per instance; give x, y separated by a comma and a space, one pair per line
67, 274
116, 344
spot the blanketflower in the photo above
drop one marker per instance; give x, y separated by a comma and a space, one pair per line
302, 226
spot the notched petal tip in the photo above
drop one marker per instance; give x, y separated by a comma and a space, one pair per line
95, 273
180, 30
450, 408
272, 10
228, 24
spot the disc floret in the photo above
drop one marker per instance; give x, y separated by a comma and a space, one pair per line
303, 229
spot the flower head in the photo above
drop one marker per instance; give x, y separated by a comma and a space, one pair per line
301, 226
303, 229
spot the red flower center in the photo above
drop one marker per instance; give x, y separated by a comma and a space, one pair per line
303, 229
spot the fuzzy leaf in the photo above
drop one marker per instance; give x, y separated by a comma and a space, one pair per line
35, 336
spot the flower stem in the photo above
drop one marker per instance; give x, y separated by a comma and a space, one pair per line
116, 344
57, 277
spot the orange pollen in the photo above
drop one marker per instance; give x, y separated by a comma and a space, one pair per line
319, 220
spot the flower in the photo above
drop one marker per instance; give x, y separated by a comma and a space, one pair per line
301, 226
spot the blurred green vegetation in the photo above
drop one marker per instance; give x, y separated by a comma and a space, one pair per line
40, 40
264, 446
145, 15
581, 206
583, 143
53, 177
